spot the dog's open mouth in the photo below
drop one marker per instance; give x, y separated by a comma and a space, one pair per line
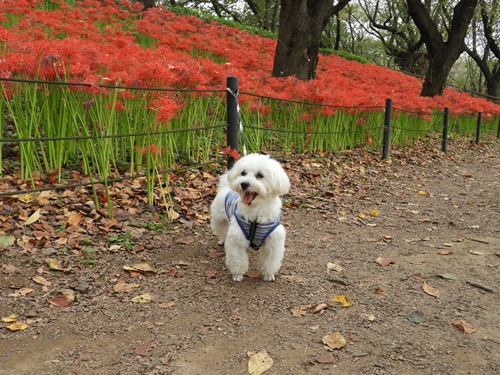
249, 197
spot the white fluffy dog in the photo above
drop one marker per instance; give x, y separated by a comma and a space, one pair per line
246, 213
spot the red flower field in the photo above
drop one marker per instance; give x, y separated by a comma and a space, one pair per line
99, 42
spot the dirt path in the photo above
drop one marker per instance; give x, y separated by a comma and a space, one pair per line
346, 212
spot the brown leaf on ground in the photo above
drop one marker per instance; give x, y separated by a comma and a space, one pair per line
325, 358
141, 267
464, 326
210, 273
430, 290
293, 278
334, 341
22, 292
446, 252
75, 219
60, 300
319, 307
385, 261
122, 287
34, 217
259, 362
299, 311
143, 349
53, 264
41, 280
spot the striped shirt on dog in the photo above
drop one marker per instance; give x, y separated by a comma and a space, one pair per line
254, 232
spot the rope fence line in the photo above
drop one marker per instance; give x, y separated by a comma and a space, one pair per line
114, 136
306, 132
409, 130
108, 181
421, 113
311, 104
234, 126
133, 88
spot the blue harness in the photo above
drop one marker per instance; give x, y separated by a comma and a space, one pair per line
254, 232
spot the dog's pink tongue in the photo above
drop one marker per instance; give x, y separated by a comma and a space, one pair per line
248, 198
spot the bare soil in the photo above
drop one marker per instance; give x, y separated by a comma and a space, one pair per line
436, 215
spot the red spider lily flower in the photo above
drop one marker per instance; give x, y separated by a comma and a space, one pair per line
165, 109
117, 105
232, 152
152, 149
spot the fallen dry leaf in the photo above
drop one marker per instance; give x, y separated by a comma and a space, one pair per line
17, 326
22, 292
26, 198
299, 311
368, 316
385, 261
335, 267
41, 280
122, 286
9, 319
259, 362
319, 307
293, 278
143, 349
34, 217
141, 267
464, 326
210, 273
143, 298
75, 219
60, 300
430, 290
445, 252
476, 252
325, 358
344, 300
6, 241
334, 341
54, 264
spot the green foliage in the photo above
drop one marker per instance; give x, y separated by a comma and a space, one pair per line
345, 55
185, 11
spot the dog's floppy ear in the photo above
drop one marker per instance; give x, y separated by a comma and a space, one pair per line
232, 173
282, 182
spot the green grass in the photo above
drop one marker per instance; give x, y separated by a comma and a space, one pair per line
115, 133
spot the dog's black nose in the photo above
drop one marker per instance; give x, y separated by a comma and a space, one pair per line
245, 185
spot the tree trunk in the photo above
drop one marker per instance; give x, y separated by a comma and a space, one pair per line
442, 54
148, 4
493, 88
299, 36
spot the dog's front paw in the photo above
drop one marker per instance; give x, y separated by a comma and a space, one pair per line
269, 277
237, 277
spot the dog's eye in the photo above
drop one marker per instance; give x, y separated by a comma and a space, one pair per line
259, 175
244, 173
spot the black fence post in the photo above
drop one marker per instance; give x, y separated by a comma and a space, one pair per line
478, 128
387, 128
444, 146
232, 116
